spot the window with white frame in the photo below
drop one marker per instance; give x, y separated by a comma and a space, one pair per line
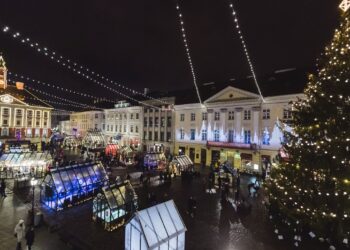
204, 135
204, 116
124, 128
136, 129
216, 116
231, 136
108, 127
193, 116
266, 114
182, 117
287, 114
192, 134
137, 116
247, 136
216, 135
131, 129
247, 115
231, 115
131, 116
29, 132
182, 134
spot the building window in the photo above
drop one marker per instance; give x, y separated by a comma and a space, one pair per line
217, 116
150, 122
156, 136
131, 129
287, 114
145, 122
125, 116
162, 122
131, 116
5, 122
136, 129
37, 123
204, 135
266, 137
231, 136
37, 132
18, 123
30, 113
29, 132
266, 114
216, 135
45, 123
150, 135
156, 121
96, 116
18, 112
193, 134
4, 132
124, 128
246, 115
120, 128
137, 116
204, 116
169, 121
168, 136
112, 128
38, 114
107, 127
103, 126
182, 117
182, 134
231, 115
5, 112
193, 116
161, 136
247, 136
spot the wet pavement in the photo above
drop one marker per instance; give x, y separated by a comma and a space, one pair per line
215, 226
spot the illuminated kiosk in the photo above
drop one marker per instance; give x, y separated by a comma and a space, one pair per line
157, 227
111, 149
154, 160
71, 185
114, 204
94, 140
71, 141
181, 163
24, 162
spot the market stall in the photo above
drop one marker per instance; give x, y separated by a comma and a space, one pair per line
94, 140
67, 186
24, 162
157, 227
154, 160
112, 149
114, 204
181, 163
71, 141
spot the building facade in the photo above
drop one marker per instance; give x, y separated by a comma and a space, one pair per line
21, 118
123, 124
81, 122
159, 125
234, 126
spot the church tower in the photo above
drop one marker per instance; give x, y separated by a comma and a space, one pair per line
3, 73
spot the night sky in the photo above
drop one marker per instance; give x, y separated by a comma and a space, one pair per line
138, 42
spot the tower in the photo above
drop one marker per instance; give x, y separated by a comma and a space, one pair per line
3, 73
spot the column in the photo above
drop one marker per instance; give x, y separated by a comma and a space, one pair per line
256, 135
238, 124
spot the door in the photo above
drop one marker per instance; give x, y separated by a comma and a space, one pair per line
203, 156
192, 154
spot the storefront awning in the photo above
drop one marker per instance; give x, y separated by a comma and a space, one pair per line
183, 160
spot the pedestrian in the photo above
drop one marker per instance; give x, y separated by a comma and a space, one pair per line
191, 206
237, 196
30, 235
238, 182
19, 234
3, 188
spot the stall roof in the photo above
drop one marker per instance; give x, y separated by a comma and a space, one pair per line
183, 160
159, 224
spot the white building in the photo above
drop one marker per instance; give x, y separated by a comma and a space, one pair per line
232, 125
81, 122
123, 124
22, 116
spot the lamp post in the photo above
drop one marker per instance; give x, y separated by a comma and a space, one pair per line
33, 183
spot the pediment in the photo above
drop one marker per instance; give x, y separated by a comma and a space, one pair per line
9, 99
231, 94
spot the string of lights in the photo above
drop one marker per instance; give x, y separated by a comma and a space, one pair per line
77, 68
56, 103
57, 87
189, 58
244, 45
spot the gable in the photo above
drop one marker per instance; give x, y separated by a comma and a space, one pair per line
230, 93
9, 99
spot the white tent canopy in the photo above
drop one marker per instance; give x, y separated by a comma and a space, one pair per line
184, 161
157, 227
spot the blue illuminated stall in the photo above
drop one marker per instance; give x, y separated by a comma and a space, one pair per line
71, 185
114, 205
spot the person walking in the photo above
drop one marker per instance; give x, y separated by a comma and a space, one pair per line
191, 206
3, 188
30, 235
19, 233
238, 181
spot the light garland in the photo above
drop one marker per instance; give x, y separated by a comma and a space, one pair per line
184, 38
54, 102
79, 69
244, 45
57, 87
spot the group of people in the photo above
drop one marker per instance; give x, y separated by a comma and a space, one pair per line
20, 234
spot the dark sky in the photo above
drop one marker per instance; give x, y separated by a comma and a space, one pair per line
138, 42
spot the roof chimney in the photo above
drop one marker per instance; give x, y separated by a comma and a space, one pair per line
20, 85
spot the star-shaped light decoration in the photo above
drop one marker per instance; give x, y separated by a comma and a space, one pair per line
345, 5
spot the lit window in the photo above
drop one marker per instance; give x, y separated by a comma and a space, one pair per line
204, 135
246, 115
216, 135
182, 134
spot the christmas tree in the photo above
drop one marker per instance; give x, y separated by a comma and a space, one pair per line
310, 193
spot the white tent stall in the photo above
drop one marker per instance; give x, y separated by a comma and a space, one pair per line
157, 227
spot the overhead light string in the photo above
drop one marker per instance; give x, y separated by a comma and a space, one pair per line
79, 69
244, 45
187, 49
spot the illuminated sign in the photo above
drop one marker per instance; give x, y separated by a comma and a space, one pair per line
6, 99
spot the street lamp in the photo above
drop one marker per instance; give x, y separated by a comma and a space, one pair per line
33, 183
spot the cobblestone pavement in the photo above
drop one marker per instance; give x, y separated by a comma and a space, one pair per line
215, 226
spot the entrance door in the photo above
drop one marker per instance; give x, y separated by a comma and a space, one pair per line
192, 154
203, 156
215, 156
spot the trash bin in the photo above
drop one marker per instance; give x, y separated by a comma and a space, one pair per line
37, 219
